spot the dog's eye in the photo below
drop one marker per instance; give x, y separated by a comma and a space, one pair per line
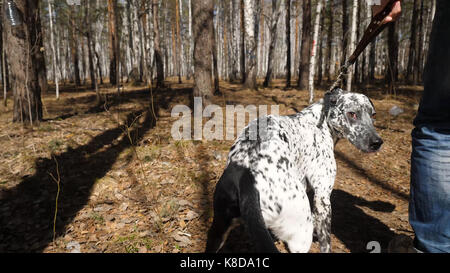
374, 116
352, 115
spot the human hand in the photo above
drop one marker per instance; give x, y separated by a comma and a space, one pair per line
393, 15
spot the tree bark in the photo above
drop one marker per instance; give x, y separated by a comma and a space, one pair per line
392, 68
52, 46
113, 43
313, 59
352, 43
344, 36
191, 42
288, 43
73, 40
157, 46
297, 30
203, 24
178, 41
90, 54
24, 57
412, 43
320, 45
276, 10
242, 43
251, 37
419, 49
305, 52
329, 40
215, 61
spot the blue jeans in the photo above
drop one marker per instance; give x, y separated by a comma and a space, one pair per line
429, 206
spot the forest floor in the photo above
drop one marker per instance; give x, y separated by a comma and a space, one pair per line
127, 186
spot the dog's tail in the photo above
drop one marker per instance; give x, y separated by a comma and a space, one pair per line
250, 210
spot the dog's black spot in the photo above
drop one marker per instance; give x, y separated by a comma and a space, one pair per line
281, 161
279, 207
283, 136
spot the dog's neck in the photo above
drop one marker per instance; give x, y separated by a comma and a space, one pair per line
319, 114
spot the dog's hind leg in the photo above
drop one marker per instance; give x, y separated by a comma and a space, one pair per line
295, 224
250, 209
226, 208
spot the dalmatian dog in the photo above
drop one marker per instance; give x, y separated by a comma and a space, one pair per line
267, 177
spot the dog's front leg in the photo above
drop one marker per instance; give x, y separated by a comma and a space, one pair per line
322, 221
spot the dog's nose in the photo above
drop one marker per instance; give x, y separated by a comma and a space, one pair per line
376, 144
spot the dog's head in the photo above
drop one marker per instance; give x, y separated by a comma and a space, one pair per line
351, 116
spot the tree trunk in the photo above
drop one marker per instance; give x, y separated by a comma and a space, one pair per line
276, 10
90, 54
352, 43
305, 52
313, 59
42, 69
344, 36
178, 42
419, 49
191, 42
214, 57
297, 33
203, 24
113, 43
392, 68
52, 46
412, 43
242, 43
234, 18
5, 77
144, 38
130, 36
288, 43
73, 40
24, 62
357, 63
251, 37
372, 61
157, 46
320, 45
329, 40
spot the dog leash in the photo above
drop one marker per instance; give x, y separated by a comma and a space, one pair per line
375, 27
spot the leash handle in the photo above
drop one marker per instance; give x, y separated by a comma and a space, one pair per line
375, 27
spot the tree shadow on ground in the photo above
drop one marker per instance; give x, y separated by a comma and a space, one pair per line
94, 107
27, 210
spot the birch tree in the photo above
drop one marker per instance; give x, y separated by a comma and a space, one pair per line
251, 36
276, 10
203, 24
113, 43
352, 43
52, 44
288, 43
157, 46
303, 71
313, 58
